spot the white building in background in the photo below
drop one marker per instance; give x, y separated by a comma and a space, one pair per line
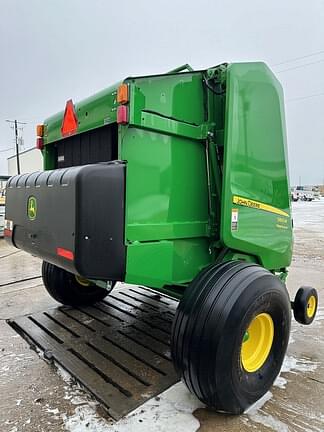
30, 160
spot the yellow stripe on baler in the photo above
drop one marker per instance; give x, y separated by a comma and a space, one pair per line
246, 202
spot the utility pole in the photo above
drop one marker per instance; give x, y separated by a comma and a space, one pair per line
15, 126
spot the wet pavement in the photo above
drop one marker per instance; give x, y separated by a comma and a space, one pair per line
36, 396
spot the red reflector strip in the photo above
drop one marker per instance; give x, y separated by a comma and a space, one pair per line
39, 143
7, 233
65, 253
8, 228
122, 114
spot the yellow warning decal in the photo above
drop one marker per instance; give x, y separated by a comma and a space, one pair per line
246, 202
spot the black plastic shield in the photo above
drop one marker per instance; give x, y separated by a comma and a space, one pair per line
72, 217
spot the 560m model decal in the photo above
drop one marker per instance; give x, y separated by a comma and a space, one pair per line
246, 202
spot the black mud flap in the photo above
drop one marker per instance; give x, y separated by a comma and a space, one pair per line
72, 218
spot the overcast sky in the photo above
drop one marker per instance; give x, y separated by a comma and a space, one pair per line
51, 51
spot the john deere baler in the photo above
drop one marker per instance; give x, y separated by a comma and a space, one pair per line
179, 182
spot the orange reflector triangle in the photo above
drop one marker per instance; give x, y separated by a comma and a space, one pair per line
70, 120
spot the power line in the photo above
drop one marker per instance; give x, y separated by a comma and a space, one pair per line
27, 119
305, 97
299, 58
300, 66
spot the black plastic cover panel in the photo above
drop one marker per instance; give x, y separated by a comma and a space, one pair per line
97, 145
72, 217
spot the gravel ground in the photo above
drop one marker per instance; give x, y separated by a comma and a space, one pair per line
36, 396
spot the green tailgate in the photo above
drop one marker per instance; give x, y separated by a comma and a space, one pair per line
256, 216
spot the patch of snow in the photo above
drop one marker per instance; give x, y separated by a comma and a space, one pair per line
304, 214
319, 314
294, 365
54, 411
171, 411
77, 400
291, 339
85, 419
63, 373
257, 415
259, 403
280, 382
269, 421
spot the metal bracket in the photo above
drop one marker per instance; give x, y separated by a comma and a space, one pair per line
218, 73
181, 69
107, 285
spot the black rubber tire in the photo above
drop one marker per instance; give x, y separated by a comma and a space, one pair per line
301, 302
64, 288
208, 330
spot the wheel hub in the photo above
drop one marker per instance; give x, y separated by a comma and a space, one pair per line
257, 342
82, 281
311, 306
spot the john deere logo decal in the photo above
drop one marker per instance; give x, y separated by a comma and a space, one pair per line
32, 208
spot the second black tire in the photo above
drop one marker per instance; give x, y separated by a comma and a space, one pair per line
209, 330
65, 288
305, 305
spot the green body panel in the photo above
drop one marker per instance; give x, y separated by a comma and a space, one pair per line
255, 166
167, 262
167, 218
194, 141
166, 190
179, 97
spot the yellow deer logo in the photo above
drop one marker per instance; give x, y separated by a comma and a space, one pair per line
32, 208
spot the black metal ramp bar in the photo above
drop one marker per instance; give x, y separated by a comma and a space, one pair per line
119, 349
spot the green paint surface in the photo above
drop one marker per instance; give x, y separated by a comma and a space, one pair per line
255, 165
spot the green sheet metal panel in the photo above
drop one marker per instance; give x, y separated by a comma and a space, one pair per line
167, 219
166, 200
178, 96
166, 189
256, 216
166, 262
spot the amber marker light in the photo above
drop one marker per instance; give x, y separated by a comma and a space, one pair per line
40, 135
40, 130
122, 94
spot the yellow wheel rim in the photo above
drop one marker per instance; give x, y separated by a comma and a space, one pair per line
311, 306
82, 281
257, 342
